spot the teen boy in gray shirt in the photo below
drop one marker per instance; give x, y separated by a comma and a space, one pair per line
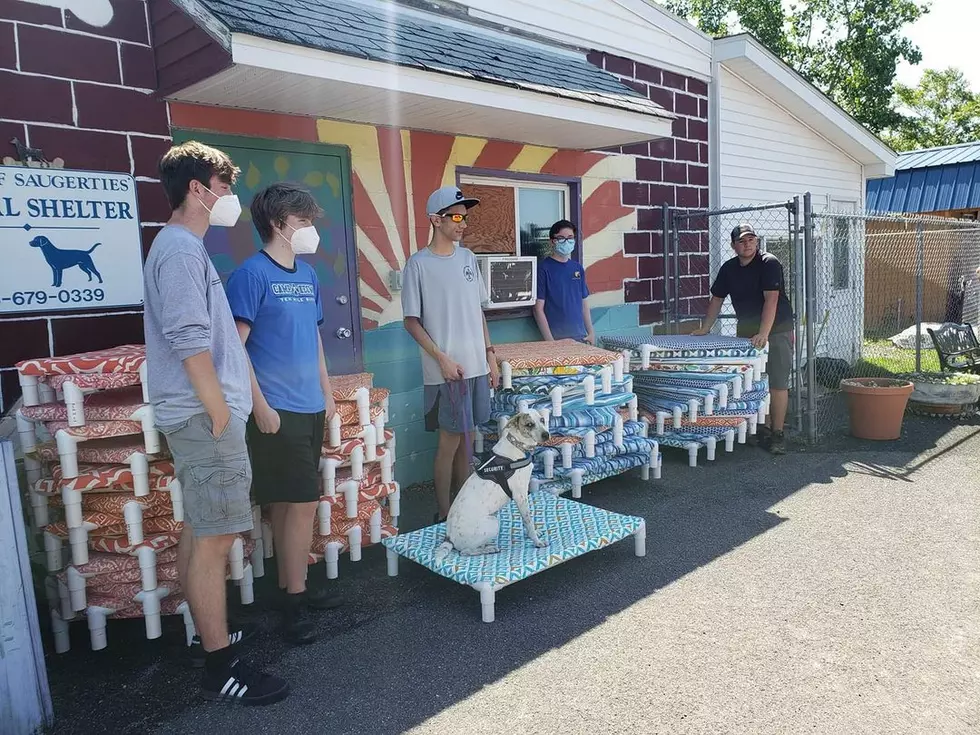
199, 385
442, 298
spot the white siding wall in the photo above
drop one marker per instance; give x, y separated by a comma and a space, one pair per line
631, 28
768, 155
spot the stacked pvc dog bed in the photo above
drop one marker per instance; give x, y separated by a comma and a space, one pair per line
695, 392
360, 501
103, 490
580, 390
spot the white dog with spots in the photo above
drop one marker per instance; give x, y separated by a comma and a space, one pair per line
472, 525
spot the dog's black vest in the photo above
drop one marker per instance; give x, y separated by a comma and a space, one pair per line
499, 469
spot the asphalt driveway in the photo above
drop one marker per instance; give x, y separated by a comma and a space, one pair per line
832, 591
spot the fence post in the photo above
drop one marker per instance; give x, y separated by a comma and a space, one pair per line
809, 268
676, 267
797, 265
668, 227
919, 290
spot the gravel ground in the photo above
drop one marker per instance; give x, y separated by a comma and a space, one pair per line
825, 591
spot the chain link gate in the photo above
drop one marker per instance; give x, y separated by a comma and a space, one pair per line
697, 242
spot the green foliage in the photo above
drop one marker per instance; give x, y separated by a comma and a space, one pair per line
849, 49
941, 110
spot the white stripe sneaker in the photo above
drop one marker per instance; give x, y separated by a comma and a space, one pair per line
238, 683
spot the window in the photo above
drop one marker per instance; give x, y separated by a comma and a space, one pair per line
842, 246
514, 216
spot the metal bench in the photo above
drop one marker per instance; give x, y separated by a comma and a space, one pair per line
957, 347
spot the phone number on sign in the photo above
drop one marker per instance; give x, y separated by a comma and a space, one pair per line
64, 296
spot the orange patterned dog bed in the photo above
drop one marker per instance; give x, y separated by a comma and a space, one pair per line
347, 410
114, 450
101, 562
345, 387
96, 429
94, 381
113, 477
123, 359
347, 446
114, 405
561, 353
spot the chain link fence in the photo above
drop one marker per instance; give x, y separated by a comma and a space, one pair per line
880, 281
864, 289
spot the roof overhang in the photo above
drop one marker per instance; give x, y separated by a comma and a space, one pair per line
277, 77
745, 57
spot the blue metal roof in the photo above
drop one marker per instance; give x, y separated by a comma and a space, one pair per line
389, 34
931, 180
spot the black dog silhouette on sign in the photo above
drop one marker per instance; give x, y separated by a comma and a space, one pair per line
61, 260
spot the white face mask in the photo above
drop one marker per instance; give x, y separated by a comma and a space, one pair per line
304, 241
225, 211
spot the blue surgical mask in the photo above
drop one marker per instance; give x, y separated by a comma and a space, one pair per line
565, 246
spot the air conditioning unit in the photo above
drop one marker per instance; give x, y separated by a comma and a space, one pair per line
511, 280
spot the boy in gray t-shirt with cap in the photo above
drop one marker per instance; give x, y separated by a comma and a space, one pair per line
442, 298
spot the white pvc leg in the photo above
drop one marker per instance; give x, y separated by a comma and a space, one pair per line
39, 507
328, 474
388, 466
371, 443
392, 559
334, 430
578, 475
78, 538
184, 610
678, 415
148, 567
633, 407
692, 410
363, 399
501, 426
753, 424
523, 406
246, 588
645, 427
723, 395
730, 440
618, 432
645, 351
548, 460
375, 527
29, 389
487, 596
133, 513
323, 511
606, 375
589, 384
659, 468
144, 383
590, 444
354, 539
236, 559
711, 443
709, 405
96, 617
74, 402
76, 589
331, 559
557, 393
478, 442
692, 454
139, 465
618, 369
25, 431
151, 437
53, 552
736, 388
177, 499
742, 430
395, 501
566, 456
351, 490
662, 417
640, 540
151, 610
506, 375
62, 642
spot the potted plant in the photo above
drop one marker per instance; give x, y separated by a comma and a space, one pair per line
877, 406
943, 393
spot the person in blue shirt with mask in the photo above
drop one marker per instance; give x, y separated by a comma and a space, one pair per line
561, 310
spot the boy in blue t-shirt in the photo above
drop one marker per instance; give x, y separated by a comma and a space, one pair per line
275, 300
561, 310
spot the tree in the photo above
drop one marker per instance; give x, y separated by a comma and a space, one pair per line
941, 110
849, 49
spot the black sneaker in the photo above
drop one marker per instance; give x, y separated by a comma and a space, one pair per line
196, 652
763, 436
237, 682
322, 598
776, 443
297, 627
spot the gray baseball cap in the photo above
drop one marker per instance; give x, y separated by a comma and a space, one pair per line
442, 199
742, 230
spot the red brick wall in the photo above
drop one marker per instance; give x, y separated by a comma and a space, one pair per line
673, 171
83, 94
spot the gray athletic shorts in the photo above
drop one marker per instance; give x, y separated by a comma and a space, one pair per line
457, 406
215, 475
780, 362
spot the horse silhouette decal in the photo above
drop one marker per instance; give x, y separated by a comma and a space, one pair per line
61, 260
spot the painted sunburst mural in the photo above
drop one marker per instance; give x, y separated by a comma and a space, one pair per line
394, 171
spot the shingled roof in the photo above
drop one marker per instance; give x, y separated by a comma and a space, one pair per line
393, 35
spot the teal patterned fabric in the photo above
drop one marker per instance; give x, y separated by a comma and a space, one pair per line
571, 401
569, 528
683, 346
544, 383
613, 464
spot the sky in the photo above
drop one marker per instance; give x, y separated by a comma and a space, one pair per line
947, 36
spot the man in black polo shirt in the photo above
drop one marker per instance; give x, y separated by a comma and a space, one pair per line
756, 285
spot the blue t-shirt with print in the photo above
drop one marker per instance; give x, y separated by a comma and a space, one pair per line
562, 288
283, 308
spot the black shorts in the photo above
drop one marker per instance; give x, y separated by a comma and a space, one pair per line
780, 363
286, 465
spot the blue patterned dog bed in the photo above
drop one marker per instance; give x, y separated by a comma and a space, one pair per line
683, 346
571, 529
561, 485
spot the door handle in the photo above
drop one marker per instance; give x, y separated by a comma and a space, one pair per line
342, 300
343, 333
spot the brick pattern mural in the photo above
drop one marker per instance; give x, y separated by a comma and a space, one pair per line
84, 94
673, 171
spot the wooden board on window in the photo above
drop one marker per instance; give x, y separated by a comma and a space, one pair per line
492, 226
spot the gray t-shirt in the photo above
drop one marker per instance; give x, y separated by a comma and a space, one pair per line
185, 313
446, 293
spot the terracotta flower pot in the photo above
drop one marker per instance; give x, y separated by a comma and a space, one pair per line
877, 406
